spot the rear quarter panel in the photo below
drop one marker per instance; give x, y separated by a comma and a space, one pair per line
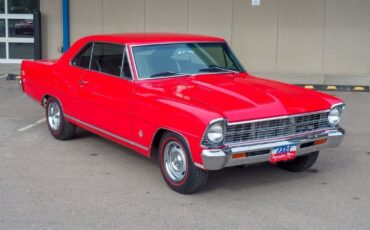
37, 78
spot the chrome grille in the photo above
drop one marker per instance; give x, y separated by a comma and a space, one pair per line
275, 128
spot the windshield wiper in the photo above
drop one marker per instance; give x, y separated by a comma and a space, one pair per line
166, 73
217, 69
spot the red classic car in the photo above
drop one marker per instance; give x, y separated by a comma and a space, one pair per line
185, 98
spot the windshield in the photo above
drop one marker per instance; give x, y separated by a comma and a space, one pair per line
167, 60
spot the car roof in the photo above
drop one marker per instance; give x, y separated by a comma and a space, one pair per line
148, 38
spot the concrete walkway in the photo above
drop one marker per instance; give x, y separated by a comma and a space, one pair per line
5, 69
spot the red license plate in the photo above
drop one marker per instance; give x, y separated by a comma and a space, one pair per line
283, 153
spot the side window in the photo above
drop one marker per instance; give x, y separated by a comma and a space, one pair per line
107, 58
83, 58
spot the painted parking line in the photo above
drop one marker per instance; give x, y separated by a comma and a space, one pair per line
32, 125
3, 76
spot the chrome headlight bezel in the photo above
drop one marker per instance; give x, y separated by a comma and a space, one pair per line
216, 133
208, 142
334, 115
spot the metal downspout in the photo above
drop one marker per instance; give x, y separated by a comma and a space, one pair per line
65, 18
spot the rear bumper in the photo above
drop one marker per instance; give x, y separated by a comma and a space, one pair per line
214, 159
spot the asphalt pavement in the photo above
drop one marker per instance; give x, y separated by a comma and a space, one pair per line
93, 183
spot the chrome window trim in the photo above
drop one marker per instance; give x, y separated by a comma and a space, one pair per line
278, 117
123, 55
182, 75
107, 132
125, 48
70, 62
126, 53
91, 55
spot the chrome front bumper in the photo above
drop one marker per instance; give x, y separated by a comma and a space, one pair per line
214, 159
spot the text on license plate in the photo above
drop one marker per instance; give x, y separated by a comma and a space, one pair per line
283, 153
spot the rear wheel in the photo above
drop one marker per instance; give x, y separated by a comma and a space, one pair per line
178, 170
58, 126
299, 164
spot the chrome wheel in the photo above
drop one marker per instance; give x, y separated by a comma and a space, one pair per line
54, 116
174, 161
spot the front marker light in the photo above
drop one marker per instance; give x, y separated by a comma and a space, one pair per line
334, 116
215, 133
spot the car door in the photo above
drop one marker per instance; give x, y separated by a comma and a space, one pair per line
106, 91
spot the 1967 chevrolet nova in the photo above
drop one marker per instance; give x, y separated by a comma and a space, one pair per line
185, 98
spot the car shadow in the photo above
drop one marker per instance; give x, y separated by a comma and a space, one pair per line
122, 150
237, 178
232, 178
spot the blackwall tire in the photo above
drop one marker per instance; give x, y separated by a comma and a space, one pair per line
177, 167
299, 164
58, 126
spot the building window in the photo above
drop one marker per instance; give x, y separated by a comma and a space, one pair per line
22, 6
20, 28
17, 30
2, 6
21, 50
2, 28
2, 50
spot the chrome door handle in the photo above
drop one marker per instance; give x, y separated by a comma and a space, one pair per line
83, 82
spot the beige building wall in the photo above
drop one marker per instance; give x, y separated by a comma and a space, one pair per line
123, 16
86, 17
347, 37
166, 16
254, 34
315, 37
212, 17
300, 36
51, 28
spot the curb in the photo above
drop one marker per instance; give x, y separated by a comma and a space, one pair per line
345, 88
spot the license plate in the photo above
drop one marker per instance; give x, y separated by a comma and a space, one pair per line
283, 153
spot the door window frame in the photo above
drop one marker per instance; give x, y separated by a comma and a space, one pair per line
124, 54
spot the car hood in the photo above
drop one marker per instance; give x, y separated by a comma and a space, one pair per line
239, 97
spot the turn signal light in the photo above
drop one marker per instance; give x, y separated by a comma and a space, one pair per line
239, 155
319, 142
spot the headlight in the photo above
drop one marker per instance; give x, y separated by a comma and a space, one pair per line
334, 115
215, 133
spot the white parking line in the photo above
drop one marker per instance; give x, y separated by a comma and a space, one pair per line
3, 76
31, 125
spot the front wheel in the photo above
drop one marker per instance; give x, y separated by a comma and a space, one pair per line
299, 164
178, 170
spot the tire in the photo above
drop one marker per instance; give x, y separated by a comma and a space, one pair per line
58, 126
299, 164
179, 171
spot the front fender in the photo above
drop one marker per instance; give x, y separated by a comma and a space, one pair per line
152, 113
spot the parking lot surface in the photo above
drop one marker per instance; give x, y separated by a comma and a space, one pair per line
92, 183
